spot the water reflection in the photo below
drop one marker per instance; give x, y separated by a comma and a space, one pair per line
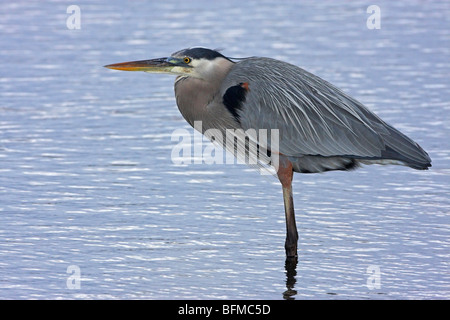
291, 271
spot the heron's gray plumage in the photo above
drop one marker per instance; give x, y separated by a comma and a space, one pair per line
317, 121
320, 127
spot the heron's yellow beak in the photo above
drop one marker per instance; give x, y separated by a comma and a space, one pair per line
160, 65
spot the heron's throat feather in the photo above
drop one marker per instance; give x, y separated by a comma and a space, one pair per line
195, 94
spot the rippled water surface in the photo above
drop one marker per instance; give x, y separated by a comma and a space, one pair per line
87, 180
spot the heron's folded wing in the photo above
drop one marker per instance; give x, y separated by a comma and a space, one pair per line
313, 116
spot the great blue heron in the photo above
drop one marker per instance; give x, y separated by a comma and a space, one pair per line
320, 127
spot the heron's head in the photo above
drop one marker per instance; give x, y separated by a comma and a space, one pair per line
198, 63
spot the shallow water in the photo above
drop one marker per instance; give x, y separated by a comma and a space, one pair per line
87, 180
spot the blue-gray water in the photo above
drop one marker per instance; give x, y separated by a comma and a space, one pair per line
87, 180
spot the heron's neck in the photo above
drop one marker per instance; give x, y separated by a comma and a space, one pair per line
194, 95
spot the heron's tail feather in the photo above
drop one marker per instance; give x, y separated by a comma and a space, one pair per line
401, 150
400, 147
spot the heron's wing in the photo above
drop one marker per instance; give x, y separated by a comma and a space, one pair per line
313, 116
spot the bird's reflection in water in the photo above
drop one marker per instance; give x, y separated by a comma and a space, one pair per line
291, 271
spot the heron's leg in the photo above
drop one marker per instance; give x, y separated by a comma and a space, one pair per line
285, 174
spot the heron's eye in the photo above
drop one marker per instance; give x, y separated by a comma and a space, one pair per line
187, 60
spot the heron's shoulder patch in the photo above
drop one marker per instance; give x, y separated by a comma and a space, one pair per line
234, 98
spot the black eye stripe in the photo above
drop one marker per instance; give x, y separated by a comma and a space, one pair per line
199, 53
